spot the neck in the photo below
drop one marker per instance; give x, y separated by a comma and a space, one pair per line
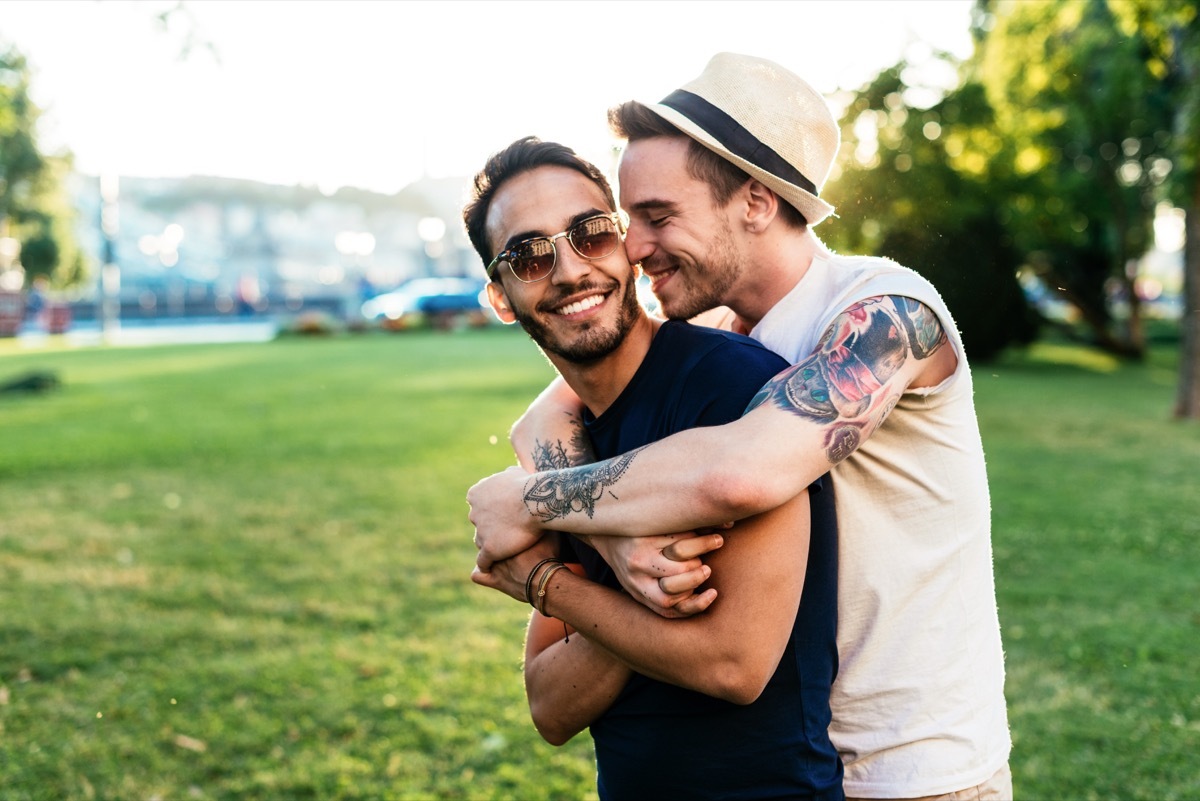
777, 262
600, 383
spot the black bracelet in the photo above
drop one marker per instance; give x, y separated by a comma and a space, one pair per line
529, 579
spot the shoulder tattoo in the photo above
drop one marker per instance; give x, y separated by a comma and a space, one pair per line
843, 385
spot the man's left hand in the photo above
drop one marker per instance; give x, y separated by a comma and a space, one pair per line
663, 572
509, 575
503, 526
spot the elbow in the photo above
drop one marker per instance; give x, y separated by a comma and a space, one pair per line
741, 492
552, 729
738, 683
555, 736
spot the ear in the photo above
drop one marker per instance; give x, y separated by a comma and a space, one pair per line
762, 206
499, 302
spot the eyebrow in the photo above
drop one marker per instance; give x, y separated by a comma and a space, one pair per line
653, 204
516, 239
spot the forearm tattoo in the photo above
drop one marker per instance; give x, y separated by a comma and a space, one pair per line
844, 384
554, 455
556, 494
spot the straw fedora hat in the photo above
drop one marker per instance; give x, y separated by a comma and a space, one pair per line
765, 120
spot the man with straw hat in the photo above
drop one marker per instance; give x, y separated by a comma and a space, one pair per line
721, 181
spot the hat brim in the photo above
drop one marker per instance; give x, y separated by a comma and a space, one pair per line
812, 207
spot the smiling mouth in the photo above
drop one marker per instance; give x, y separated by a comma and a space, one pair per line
590, 302
659, 276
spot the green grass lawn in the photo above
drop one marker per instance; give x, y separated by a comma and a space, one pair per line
241, 572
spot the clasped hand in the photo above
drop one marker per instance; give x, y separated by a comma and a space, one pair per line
662, 572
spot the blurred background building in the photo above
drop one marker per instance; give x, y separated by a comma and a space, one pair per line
201, 246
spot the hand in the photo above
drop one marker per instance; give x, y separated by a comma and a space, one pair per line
503, 527
663, 572
509, 575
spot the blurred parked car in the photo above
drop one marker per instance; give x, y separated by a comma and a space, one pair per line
440, 301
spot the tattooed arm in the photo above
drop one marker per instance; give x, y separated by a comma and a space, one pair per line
550, 436
805, 420
730, 652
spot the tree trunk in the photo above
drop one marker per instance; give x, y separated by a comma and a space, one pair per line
1135, 329
1093, 317
1187, 405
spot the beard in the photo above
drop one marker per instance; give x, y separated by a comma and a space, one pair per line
706, 283
591, 342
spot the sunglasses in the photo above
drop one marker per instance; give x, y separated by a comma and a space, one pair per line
534, 259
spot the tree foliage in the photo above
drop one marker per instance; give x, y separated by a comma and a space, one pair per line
915, 187
1065, 129
1172, 32
34, 207
1090, 124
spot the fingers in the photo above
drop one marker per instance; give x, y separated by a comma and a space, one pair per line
695, 604
685, 549
482, 578
712, 529
684, 583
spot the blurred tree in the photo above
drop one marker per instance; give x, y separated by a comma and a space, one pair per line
1090, 127
918, 185
1069, 124
34, 207
1172, 31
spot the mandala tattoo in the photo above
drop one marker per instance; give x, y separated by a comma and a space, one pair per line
550, 496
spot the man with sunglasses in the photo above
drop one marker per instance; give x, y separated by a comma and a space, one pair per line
720, 180
733, 703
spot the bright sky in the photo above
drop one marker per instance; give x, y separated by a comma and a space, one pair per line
374, 93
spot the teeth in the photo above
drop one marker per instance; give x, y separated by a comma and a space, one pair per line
582, 305
654, 279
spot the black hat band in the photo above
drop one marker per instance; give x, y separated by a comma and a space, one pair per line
734, 138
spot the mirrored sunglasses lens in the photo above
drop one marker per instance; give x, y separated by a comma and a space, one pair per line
534, 260
595, 238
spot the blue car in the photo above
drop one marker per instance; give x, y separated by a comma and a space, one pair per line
438, 299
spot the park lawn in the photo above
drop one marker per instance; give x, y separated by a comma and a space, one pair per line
241, 572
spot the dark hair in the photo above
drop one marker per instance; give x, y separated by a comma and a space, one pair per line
520, 157
633, 121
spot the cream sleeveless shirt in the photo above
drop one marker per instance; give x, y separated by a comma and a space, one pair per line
918, 704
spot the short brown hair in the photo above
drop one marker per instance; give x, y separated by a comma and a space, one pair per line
632, 121
520, 157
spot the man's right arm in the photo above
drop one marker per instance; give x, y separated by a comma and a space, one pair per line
551, 436
730, 652
569, 681
807, 419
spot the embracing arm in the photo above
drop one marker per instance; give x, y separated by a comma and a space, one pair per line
730, 652
805, 420
550, 435
568, 680
553, 423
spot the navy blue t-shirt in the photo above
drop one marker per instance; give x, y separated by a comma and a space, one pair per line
662, 741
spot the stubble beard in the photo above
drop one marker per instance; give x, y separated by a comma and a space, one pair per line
592, 343
710, 281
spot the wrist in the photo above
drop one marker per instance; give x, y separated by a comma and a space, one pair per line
531, 581
538, 602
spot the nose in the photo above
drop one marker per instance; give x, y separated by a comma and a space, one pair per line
569, 266
639, 241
